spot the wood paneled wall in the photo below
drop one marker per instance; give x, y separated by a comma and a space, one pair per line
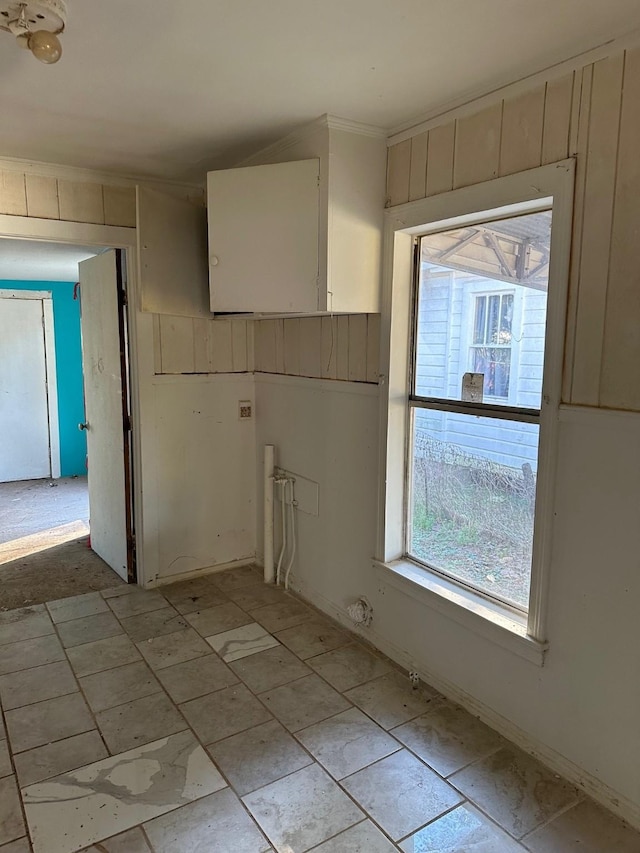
43, 197
197, 345
594, 115
344, 347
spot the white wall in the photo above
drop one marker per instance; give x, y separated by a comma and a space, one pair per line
580, 711
199, 475
327, 432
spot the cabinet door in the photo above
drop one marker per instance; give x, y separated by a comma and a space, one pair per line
172, 244
263, 238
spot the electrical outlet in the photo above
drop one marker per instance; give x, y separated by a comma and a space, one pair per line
414, 678
245, 410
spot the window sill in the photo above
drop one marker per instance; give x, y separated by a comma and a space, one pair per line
497, 624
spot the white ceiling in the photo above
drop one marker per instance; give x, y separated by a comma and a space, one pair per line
29, 260
170, 89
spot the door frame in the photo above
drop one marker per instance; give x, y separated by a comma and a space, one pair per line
107, 237
46, 297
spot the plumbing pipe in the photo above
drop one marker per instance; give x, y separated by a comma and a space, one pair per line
292, 507
282, 482
269, 572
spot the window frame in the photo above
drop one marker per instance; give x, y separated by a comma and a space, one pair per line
473, 347
531, 191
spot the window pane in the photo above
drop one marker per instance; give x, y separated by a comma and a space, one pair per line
479, 327
492, 330
506, 319
472, 500
472, 295
495, 364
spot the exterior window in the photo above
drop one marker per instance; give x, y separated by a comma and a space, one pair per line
477, 362
491, 347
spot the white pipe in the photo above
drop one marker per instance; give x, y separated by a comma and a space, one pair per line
282, 482
293, 533
269, 572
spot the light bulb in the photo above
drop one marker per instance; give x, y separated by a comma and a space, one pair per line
45, 46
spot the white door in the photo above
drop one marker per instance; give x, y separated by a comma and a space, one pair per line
25, 452
104, 418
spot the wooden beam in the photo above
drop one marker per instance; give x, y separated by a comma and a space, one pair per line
464, 242
489, 236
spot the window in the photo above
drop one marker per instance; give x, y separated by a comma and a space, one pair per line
491, 344
468, 452
473, 458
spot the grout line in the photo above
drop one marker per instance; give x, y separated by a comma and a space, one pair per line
294, 735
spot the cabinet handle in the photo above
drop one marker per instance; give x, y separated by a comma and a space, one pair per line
214, 260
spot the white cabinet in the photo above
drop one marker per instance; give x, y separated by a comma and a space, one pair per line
298, 228
263, 238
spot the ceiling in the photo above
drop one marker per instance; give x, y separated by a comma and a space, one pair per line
171, 89
29, 260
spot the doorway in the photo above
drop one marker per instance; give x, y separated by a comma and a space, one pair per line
64, 408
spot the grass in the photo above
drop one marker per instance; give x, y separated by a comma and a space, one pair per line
474, 520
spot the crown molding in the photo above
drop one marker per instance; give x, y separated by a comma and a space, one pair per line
478, 99
323, 122
339, 123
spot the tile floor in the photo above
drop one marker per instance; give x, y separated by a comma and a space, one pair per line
222, 716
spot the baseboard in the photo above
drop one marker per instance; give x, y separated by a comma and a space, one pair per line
592, 786
198, 573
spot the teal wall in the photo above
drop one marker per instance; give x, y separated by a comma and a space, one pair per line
66, 320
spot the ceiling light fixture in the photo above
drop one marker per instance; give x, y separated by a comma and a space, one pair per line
36, 25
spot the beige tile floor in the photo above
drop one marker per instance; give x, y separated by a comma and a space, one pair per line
223, 716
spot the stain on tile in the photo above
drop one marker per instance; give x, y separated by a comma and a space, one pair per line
215, 620
258, 756
313, 638
277, 617
302, 810
11, 822
194, 678
24, 624
448, 738
269, 669
391, 700
349, 666
587, 828
224, 713
36, 684
49, 760
77, 606
29, 653
514, 789
401, 794
141, 721
173, 648
80, 808
156, 623
347, 742
76, 632
48, 721
116, 686
242, 642
463, 829
101, 655
304, 702
215, 823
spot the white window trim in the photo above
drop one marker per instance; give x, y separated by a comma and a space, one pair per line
528, 191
